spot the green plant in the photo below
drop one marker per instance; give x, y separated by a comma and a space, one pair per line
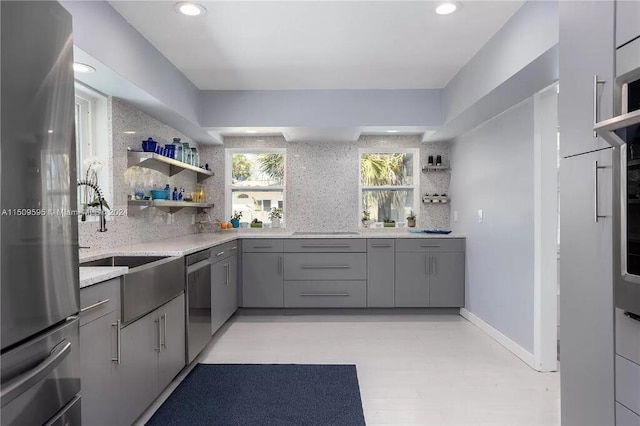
256, 221
272, 165
236, 215
366, 217
387, 220
241, 167
275, 213
412, 216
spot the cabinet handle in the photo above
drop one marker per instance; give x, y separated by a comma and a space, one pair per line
118, 345
380, 245
219, 254
164, 337
325, 294
596, 214
95, 305
280, 265
234, 248
325, 267
430, 245
226, 274
325, 246
256, 247
157, 323
435, 265
426, 265
596, 82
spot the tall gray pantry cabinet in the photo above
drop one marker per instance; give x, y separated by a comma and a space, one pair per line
586, 68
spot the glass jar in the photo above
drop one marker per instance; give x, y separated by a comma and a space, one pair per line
195, 157
185, 152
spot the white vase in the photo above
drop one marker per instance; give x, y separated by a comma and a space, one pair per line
275, 223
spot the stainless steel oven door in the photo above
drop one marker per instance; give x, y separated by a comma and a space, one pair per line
198, 303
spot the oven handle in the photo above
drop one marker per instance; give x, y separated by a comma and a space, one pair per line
20, 384
198, 265
596, 82
597, 214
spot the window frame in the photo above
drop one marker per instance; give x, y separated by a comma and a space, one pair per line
229, 187
416, 178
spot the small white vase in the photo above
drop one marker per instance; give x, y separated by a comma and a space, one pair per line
275, 223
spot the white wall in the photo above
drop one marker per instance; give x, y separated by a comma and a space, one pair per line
493, 171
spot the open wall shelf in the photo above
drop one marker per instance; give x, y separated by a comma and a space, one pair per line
145, 159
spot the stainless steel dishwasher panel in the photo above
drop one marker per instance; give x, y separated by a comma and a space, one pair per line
151, 285
198, 303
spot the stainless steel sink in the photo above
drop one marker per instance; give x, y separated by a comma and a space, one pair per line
325, 233
150, 282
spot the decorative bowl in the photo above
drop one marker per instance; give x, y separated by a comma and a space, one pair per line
159, 194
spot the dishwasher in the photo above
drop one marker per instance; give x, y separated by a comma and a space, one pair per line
198, 303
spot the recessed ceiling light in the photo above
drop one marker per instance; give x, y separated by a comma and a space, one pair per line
129, 132
252, 131
447, 8
392, 131
84, 68
49, 131
190, 9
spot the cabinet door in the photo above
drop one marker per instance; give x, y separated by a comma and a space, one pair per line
262, 285
412, 287
586, 40
380, 273
446, 280
586, 291
627, 21
173, 350
218, 290
99, 374
139, 367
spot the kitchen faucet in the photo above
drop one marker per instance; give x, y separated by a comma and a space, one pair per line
96, 188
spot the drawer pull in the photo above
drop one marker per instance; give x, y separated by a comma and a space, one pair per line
95, 305
262, 246
326, 246
118, 357
380, 245
326, 294
219, 254
325, 267
234, 248
632, 316
430, 245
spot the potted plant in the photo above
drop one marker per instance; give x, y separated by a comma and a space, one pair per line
366, 218
275, 215
255, 223
411, 220
389, 223
235, 219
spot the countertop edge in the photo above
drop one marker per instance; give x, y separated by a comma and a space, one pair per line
90, 275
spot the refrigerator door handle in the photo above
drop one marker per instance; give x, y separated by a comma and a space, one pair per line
14, 388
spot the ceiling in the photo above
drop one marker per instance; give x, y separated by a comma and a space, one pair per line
269, 45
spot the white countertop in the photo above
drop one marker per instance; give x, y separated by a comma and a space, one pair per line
181, 246
90, 275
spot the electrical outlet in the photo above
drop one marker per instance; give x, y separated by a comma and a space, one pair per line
480, 216
455, 215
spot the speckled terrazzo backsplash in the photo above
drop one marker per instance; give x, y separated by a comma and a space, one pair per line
149, 224
322, 180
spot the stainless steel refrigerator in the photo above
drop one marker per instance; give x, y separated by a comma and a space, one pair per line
39, 379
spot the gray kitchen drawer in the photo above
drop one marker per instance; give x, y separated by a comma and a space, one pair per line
262, 245
223, 251
325, 245
325, 294
429, 244
627, 337
99, 299
626, 417
325, 266
628, 384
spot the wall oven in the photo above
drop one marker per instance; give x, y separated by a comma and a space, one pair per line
623, 131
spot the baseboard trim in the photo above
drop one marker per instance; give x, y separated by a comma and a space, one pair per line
527, 357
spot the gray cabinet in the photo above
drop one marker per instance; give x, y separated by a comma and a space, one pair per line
262, 282
325, 294
381, 273
627, 21
153, 353
325, 266
224, 285
427, 276
586, 38
99, 353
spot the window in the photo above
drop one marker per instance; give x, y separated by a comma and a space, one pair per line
255, 182
389, 183
92, 143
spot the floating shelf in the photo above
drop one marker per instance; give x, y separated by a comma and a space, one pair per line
435, 200
166, 205
144, 159
435, 168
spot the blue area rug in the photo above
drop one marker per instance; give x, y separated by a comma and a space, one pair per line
264, 394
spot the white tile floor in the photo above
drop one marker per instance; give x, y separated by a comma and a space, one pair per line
412, 369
